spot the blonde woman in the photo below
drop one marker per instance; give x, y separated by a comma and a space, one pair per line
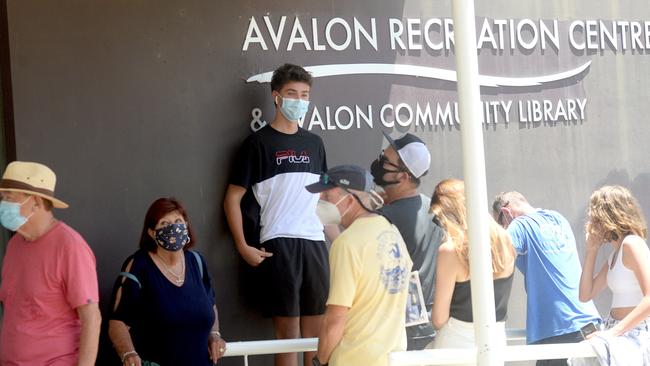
452, 305
615, 217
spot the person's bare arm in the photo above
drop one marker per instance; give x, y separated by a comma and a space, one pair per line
591, 286
91, 320
118, 332
331, 331
232, 208
446, 269
216, 344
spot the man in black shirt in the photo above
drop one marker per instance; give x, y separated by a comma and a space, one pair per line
398, 171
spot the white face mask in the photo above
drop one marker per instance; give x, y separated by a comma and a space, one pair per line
328, 213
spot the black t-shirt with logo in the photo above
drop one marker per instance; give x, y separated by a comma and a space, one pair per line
275, 167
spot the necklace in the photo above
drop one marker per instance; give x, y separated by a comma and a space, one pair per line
179, 277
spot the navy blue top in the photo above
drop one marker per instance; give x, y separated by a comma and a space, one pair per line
169, 325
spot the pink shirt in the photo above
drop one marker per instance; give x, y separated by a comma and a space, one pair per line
42, 283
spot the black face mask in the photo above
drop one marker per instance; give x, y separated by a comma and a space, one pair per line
378, 171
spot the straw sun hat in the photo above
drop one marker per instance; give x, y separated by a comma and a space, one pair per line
31, 178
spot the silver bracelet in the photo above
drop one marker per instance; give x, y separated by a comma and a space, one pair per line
215, 332
128, 353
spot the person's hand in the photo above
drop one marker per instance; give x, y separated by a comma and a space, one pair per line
253, 256
132, 360
216, 347
609, 333
594, 240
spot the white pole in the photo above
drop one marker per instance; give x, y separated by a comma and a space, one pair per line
469, 100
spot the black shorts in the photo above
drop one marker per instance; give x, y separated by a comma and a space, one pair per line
296, 278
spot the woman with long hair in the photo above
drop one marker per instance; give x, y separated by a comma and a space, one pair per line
452, 305
615, 217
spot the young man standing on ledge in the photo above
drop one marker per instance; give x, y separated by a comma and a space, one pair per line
276, 163
49, 288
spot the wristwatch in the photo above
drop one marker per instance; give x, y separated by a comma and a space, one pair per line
316, 362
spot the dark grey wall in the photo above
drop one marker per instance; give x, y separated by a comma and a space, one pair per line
132, 100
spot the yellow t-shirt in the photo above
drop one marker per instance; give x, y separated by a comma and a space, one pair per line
369, 273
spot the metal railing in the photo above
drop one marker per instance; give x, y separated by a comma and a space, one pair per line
446, 356
425, 357
251, 348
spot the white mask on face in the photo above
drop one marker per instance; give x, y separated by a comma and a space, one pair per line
328, 213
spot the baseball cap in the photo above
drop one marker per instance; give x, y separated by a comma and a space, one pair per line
344, 176
413, 153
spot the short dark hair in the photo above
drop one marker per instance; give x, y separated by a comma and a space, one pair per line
288, 73
158, 209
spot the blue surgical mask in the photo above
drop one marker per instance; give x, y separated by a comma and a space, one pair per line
294, 109
172, 237
10, 216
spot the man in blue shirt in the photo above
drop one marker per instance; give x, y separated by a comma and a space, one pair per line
548, 259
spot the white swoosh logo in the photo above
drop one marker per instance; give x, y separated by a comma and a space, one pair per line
426, 72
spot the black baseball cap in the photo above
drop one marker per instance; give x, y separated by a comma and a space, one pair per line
344, 176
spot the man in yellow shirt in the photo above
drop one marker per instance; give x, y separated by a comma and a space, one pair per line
369, 273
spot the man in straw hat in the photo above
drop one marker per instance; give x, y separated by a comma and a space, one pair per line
369, 266
49, 288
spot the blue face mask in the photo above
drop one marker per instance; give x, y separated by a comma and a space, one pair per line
294, 109
172, 237
10, 216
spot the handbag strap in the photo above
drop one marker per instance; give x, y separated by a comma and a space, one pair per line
132, 277
198, 262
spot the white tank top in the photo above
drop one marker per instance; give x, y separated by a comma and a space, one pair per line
626, 291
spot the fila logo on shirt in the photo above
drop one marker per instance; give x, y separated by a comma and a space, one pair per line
291, 157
